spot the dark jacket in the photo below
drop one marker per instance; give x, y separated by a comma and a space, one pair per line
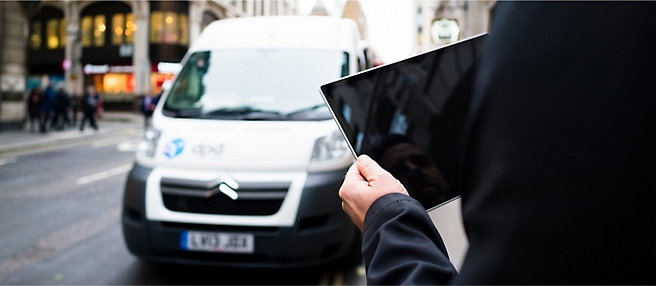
62, 101
90, 104
559, 172
34, 106
48, 100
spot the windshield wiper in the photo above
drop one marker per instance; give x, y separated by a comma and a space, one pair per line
185, 113
304, 110
243, 113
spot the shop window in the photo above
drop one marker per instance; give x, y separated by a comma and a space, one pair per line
123, 28
35, 35
157, 80
118, 83
156, 27
99, 30
130, 28
118, 24
86, 29
169, 27
52, 33
171, 31
62, 33
184, 30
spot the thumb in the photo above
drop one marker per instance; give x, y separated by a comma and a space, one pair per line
369, 169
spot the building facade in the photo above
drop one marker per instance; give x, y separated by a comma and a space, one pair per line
126, 49
12, 65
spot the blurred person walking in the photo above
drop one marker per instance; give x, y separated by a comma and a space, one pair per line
47, 106
89, 106
148, 106
34, 107
75, 103
62, 105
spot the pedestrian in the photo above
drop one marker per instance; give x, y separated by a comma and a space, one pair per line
558, 173
62, 105
47, 106
74, 108
34, 107
89, 104
148, 107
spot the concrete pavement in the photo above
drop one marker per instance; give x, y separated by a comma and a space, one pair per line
112, 124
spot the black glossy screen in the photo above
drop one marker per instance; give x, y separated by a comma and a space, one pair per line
409, 116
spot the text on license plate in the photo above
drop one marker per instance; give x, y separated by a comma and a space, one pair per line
217, 242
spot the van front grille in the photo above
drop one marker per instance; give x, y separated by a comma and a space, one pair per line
221, 205
204, 197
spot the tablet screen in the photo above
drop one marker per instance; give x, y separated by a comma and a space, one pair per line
408, 116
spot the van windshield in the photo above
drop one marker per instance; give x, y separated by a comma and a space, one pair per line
255, 84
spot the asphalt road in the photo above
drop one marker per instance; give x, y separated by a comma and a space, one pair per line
60, 225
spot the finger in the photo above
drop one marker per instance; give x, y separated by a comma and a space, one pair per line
353, 174
369, 168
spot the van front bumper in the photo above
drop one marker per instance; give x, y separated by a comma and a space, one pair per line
322, 232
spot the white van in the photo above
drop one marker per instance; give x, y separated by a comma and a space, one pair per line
244, 162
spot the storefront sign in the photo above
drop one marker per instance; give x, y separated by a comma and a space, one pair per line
67, 64
172, 68
102, 69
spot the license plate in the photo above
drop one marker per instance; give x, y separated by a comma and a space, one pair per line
217, 242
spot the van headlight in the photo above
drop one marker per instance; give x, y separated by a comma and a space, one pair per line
148, 144
330, 153
329, 147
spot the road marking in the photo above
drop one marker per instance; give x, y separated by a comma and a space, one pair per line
8, 160
128, 146
107, 142
104, 174
58, 242
64, 143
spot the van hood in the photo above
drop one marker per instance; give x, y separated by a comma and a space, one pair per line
228, 145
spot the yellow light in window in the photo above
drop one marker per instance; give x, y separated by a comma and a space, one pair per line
102, 27
134, 28
169, 20
128, 32
118, 31
53, 42
129, 24
97, 33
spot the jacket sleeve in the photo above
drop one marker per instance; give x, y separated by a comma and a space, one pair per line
401, 245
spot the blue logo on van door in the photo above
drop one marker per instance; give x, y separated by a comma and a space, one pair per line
174, 148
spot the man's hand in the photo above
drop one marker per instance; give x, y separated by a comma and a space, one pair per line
364, 183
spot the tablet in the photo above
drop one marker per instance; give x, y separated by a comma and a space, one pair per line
409, 115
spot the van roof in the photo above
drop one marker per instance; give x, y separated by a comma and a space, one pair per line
302, 32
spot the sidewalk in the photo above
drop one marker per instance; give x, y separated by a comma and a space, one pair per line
112, 124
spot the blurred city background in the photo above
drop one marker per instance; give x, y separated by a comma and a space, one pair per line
61, 188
